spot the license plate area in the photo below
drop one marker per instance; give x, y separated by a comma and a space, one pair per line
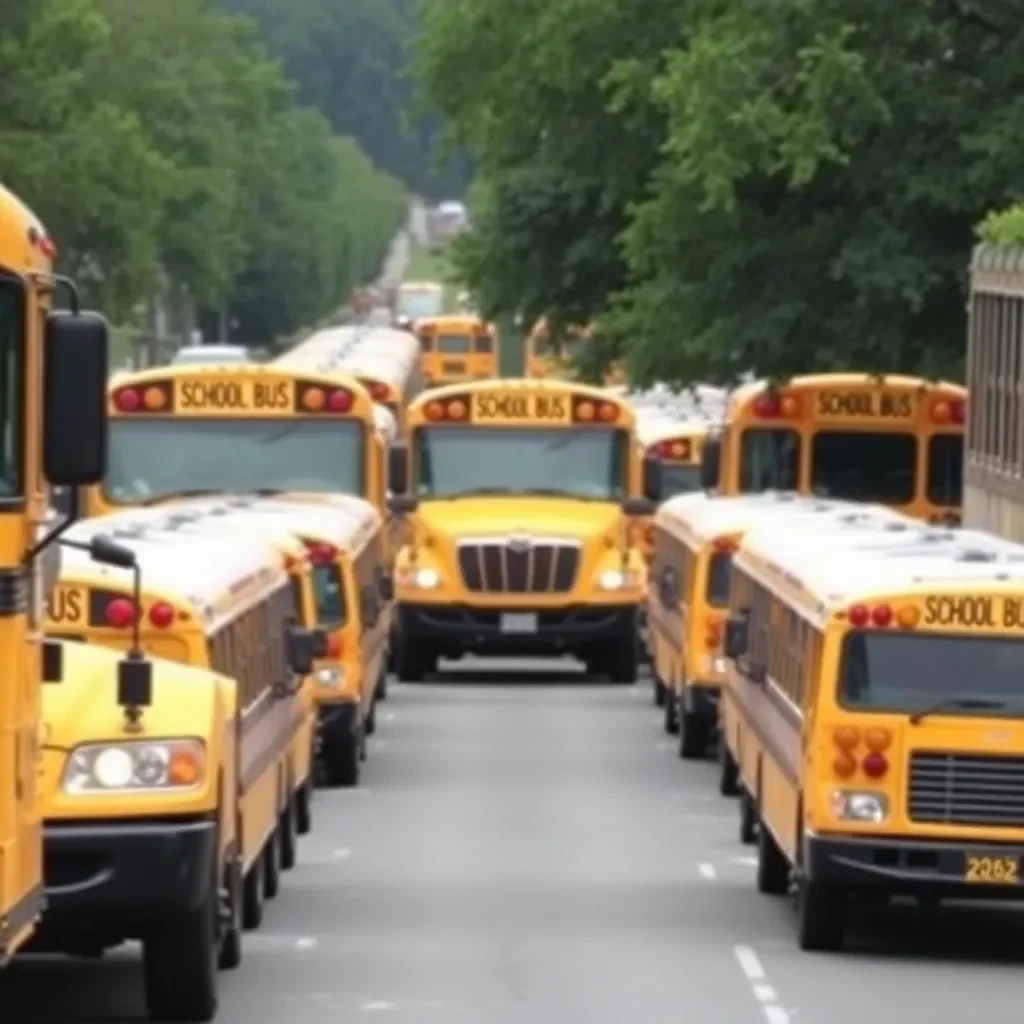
991, 869
518, 622
459, 367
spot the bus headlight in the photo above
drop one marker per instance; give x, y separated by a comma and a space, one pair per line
133, 766
616, 579
859, 805
421, 579
333, 676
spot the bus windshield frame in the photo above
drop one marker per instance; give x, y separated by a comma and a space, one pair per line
13, 324
508, 460
326, 443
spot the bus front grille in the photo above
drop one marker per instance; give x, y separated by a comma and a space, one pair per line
500, 567
966, 789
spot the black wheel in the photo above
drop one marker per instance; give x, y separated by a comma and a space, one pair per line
728, 775
252, 896
341, 759
748, 819
672, 714
821, 916
272, 866
659, 693
772, 866
304, 807
413, 662
370, 722
179, 963
382, 683
693, 736
230, 954
288, 837
622, 663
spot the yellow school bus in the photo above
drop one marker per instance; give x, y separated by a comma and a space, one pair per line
184, 430
352, 587
543, 361
517, 495
385, 362
53, 368
417, 299
219, 606
695, 538
890, 439
879, 691
457, 348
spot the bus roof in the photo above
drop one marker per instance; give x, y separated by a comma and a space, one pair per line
815, 381
594, 392
217, 578
857, 572
651, 430
454, 321
707, 517
22, 237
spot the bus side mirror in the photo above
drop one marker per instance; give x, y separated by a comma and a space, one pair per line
320, 644
76, 352
398, 468
134, 682
737, 636
403, 504
301, 647
652, 485
711, 464
53, 661
108, 552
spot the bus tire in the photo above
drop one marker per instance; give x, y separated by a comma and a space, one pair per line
673, 711
772, 866
229, 955
288, 835
179, 963
660, 693
821, 916
412, 662
271, 866
623, 664
370, 722
728, 774
693, 736
304, 807
382, 683
252, 897
341, 759
748, 819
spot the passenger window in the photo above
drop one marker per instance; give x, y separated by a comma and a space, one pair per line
769, 460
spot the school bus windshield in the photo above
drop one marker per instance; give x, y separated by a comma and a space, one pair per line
150, 459
585, 463
916, 672
12, 313
420, 304
853, 465
676, 480
719, 578
454, 344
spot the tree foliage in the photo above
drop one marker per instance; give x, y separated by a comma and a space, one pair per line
1004, 227
165, 151
780, 186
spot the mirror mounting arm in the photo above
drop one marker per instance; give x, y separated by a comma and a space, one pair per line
59, 530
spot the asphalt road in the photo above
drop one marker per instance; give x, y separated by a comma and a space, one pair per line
535, 852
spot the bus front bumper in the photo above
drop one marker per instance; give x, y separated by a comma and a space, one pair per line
115, 878
460, 629
916, 867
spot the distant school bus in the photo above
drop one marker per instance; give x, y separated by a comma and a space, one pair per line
544, 360
53, 370
518, 495
417, 299
181, 431
879, 688
695, 538
457, 348
890, 439
168, 824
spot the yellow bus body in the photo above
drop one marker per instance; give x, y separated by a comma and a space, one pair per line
509, 551
893, 440
180, 430
543, 362
213, 605
345, 539
457, 348
695, 538
877, 690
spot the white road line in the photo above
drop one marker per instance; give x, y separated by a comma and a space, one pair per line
747, 862
306, 942
389, 716
342, 854
750, 964
378, 1004
707, 872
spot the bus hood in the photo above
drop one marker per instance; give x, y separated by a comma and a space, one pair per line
499, 516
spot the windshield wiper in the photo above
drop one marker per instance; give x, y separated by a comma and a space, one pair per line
958, 704
195, 492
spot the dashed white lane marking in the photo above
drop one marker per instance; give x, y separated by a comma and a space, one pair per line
343, 853
306, 942
707, 872
378, 1005
750, 964
389, 716
747, 862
